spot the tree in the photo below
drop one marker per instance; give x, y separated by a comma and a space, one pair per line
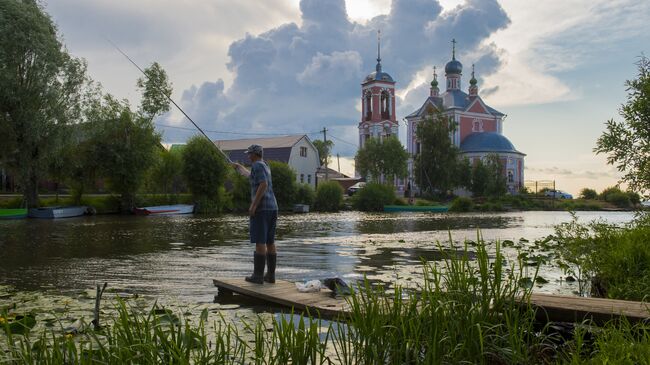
378, 158
588, 193
167, 173
284, 183
156, 89
324, 151
205, 171
627, 143
329, 196
125, 145
436, 166
496, 183
41, 87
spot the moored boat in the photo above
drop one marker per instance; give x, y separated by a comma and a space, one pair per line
415, 208
13, 213
57, 212
165, 209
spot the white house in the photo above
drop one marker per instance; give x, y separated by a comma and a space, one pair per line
295, 150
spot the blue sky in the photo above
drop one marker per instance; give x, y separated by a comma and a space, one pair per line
556, 68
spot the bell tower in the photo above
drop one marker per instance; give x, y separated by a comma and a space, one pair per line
377, 103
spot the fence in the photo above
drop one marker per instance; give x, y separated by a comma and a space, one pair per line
535, 186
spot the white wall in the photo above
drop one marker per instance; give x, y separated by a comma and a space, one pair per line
304, 165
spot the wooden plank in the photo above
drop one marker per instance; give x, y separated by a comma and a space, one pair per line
576, 309
285, 293
548, 307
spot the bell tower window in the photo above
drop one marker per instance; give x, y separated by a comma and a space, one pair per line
367, 103
385, 105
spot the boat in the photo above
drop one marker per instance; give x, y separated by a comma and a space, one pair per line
13, 213
165, 209
415, 208
58, 212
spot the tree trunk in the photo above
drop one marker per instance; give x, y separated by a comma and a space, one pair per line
127, 203
31, 191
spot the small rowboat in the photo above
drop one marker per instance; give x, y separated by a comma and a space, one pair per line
57, 212
13, 213
165, 209
415, 208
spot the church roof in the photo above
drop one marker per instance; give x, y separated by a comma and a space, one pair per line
487, 142
378, 76
453, 99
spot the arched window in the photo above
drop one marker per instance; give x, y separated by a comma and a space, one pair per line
511, 176
367, 100
385, 104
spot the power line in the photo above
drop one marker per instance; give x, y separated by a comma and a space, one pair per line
341, 140
234, 133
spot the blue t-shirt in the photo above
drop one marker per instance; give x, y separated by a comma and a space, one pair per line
260, 171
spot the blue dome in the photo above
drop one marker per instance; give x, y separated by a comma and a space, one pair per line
378, 76
453, 67
487, 142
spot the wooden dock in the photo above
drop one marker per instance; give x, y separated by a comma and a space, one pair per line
548, 307
285, 293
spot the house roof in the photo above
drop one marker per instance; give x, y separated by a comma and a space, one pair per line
275, 148
487, 142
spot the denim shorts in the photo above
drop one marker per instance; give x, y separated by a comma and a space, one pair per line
262, 226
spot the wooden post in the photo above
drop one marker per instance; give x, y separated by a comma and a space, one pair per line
98, 299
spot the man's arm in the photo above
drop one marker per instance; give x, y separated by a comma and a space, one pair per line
241, 169
261, 189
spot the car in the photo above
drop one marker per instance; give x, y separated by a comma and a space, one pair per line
558, 194
356, 187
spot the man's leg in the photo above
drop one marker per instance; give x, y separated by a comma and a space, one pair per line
258, 234
271, 252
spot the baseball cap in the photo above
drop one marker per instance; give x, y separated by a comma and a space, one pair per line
256, 149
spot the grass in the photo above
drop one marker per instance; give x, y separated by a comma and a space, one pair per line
466, 310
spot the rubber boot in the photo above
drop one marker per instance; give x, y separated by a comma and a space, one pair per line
271, 259
258, 269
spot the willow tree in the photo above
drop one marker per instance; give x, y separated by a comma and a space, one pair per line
41, 88
386, 157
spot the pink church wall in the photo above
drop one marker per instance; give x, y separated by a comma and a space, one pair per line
477, 108
467, 125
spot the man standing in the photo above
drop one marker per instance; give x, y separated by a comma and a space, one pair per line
263, 213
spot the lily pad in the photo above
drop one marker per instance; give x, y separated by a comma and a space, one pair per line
526, 282
21, 324
541, 280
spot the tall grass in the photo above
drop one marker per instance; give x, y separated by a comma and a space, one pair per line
469, 309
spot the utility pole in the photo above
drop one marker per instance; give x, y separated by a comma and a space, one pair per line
339, 162
327, 175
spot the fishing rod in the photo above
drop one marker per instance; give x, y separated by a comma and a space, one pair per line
171, 100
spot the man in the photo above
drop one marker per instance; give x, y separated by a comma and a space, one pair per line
263, 213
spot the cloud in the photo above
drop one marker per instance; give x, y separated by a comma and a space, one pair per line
299, 77
563, 172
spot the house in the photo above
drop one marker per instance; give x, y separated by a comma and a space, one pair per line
295, 150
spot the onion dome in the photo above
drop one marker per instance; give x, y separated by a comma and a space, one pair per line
434, 82
378, 75
453, 66
473, 81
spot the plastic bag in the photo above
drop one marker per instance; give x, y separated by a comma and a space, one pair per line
311, 286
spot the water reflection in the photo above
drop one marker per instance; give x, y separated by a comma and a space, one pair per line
179, 255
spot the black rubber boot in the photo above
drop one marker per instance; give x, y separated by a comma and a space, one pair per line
271, 259
258, 269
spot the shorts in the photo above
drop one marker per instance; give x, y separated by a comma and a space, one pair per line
262, 226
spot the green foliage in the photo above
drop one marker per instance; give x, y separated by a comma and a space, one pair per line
373, 197
626, 143
324, 150
167, 173
461, 204
124, 146
488, 178
155, 88
240, 193
385, 157
205, 171
284, 183
437, 164
41, 90
305, 194
616, 196
615, 260
587, 193
329, 196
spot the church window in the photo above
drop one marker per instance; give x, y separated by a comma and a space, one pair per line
368, 105
302, 178
303, 151
511, 176
477, 125
308, 179
385, 105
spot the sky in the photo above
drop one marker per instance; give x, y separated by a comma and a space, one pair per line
557, 68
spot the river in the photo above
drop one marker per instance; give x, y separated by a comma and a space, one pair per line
177, 256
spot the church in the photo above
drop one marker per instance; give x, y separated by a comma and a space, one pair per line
479, 127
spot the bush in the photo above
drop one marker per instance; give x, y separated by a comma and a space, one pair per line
305, 194
329, 196
205, 171
284, 183
373, 197
635, 198
240, 193
587, 193
461, 204
620, 199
